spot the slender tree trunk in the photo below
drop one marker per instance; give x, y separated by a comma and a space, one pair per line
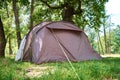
15, 9
92, 40
9, 37
2, 40
98, 47
100, 43
108, 49
105, 39
31, 13
109, 45
10, 47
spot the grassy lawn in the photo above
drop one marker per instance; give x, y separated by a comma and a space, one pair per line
106, 69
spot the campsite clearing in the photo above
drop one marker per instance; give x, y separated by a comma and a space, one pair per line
105, 69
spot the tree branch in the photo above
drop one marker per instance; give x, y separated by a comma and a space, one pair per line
53, 7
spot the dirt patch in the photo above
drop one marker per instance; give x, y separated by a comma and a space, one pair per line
111, 55
39, 71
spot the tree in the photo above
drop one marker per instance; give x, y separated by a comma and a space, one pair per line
15, 9
8, 38
2, 40
7, 15
105, 38
68, 10
81, 12
6, 19
31, 14
115, 40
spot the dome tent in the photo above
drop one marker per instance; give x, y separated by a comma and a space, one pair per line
56, 41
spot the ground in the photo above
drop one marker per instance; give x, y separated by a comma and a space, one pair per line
111, 55
38, 71
106, 69
41, 70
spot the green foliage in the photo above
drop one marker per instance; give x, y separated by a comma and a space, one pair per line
92, 12
115, 40
43, 13
24, 2
105, 69
91, 18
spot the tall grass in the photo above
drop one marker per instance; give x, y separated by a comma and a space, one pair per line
106, 69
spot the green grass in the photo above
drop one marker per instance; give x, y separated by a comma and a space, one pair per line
106, 69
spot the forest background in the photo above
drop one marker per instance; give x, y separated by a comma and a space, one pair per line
17, 17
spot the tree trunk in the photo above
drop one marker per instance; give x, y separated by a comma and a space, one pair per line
15, 9
67, 14
9, 37
31, 13
2, 40
109, 44
105, 38
10, 47
100, 43
68, 10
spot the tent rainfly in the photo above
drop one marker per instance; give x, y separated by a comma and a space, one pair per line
56, 42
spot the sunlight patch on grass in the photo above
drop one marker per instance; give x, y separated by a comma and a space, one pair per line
38, 71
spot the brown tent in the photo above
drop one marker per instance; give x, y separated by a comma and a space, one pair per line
57, 41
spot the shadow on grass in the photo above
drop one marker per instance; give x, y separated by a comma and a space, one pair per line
110, 59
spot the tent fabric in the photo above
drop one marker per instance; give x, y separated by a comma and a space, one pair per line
20, 51
44, 42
